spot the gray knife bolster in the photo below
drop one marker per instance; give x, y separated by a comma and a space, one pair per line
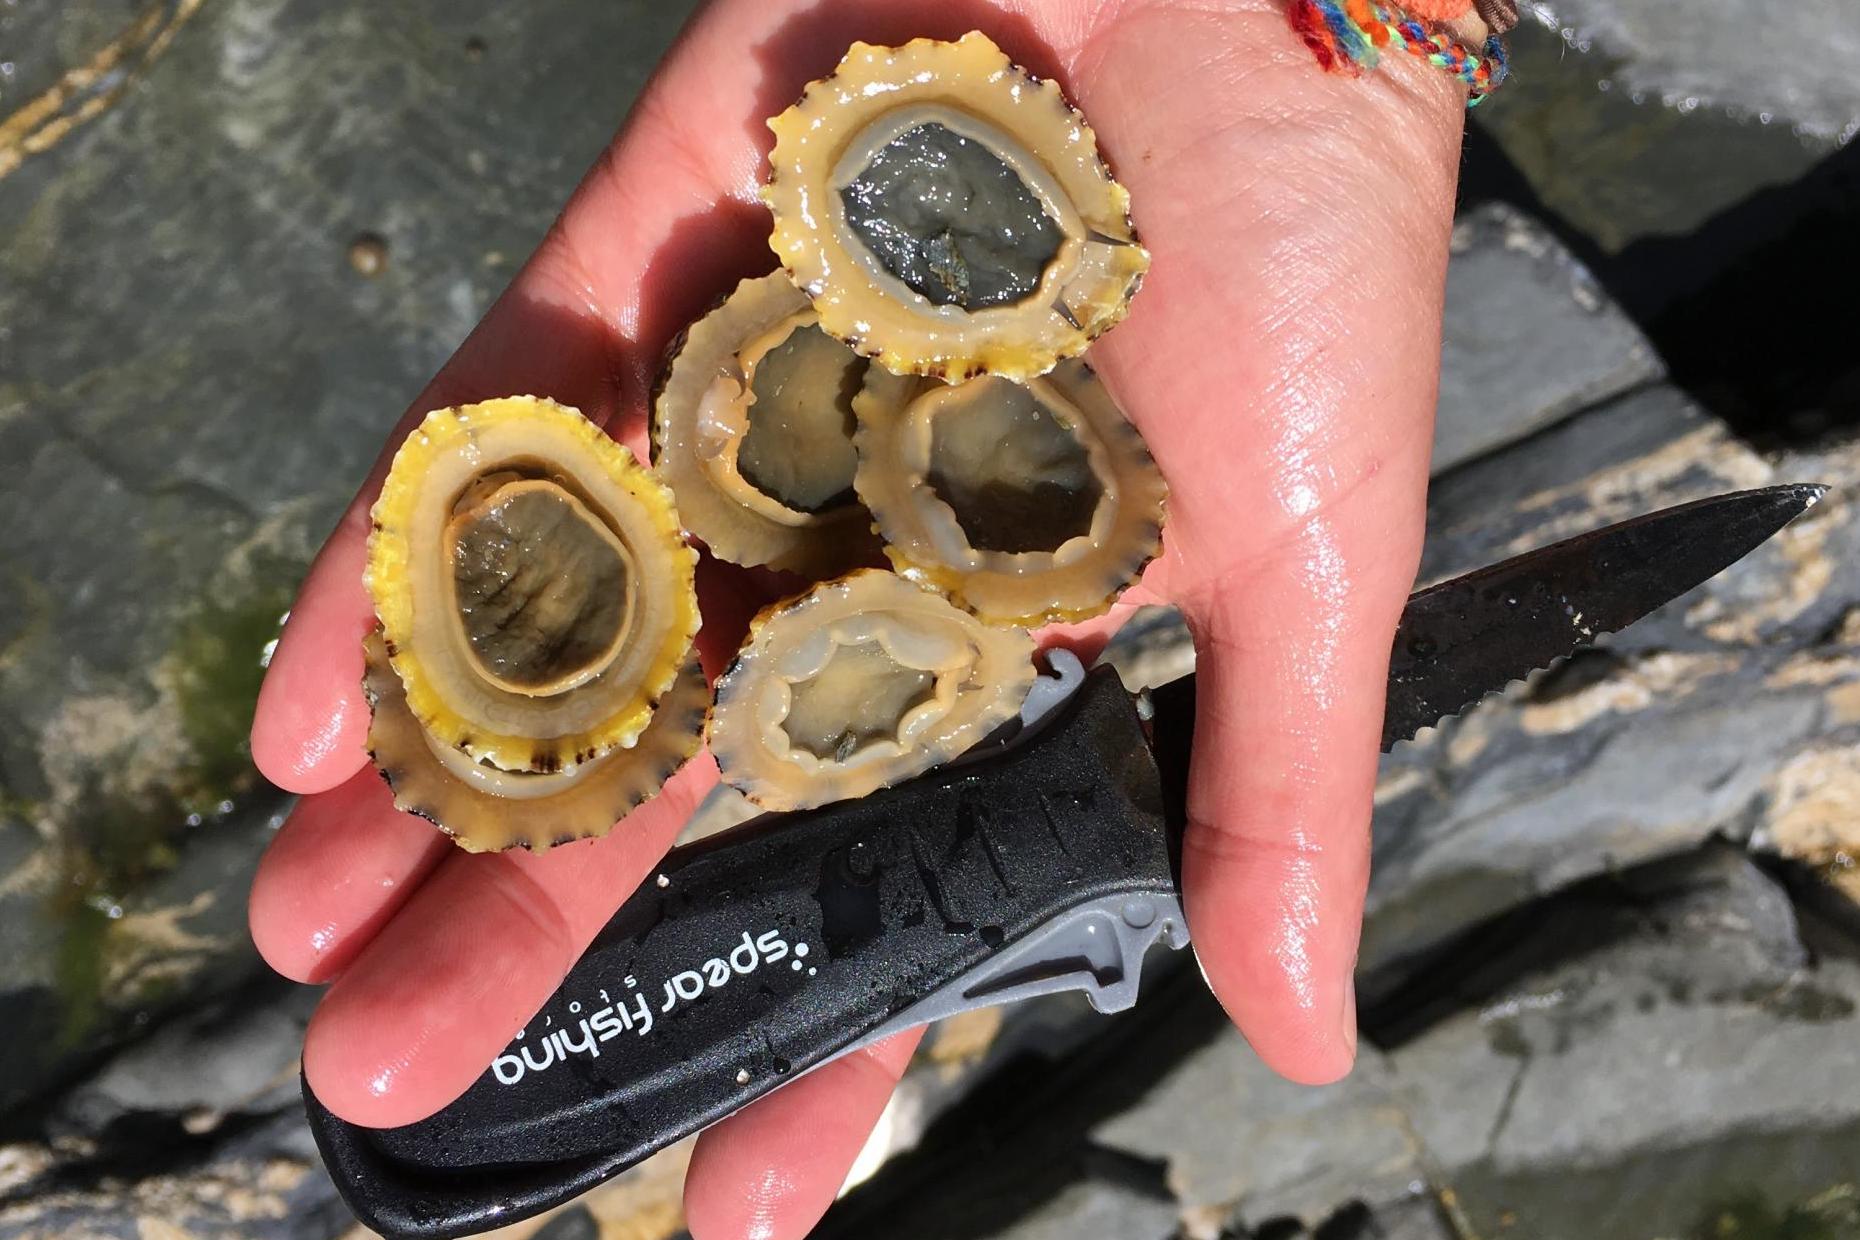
1097, 947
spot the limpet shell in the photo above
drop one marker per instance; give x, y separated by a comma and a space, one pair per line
486, 809
861, 683
534, 590
752, 430
950, 214
1024, 502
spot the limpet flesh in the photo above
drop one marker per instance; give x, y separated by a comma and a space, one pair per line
535, 594
950, 214
861, 683
752, 430
1024, 502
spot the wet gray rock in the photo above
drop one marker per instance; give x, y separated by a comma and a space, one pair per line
1237, 1137
1098, 1208
217, 295
1677, 729
1607, 158
1529, 337
262, 1182
1683, 1060
197, 1127
234, 1058
1792, 65
1417, 1218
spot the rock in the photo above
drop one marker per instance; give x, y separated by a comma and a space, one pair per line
194, 375
1235, 1135
1814, 812
230, 1059
1586, 128
1098, 1208
1152, 648
264, 1183
1742, 55
1529, 337
1418, 1218
1553, 781
1680, 1062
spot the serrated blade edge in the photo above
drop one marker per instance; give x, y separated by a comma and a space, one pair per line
1476, 634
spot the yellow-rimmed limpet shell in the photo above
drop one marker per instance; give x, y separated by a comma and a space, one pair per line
752, 429
486, 809
1024, 502
861, 683
950, 214
534, 590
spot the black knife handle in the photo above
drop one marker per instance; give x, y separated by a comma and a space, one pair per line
763, 952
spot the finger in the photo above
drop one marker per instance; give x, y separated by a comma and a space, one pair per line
446, 984
310, 728
340, 867
1291, 317
1276, 858
346, 860
771, 1170
1088, 638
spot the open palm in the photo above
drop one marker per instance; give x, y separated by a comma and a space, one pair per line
1281, 363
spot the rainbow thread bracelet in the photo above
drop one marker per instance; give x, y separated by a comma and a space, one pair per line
1347, 36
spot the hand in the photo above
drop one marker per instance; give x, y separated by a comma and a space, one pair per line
1281, 361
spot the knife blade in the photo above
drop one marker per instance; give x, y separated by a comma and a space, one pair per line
1053, 864
1475, 634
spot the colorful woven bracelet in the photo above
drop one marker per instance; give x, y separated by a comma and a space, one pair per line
1347, 36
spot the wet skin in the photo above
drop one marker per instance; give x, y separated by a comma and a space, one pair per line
1280, 360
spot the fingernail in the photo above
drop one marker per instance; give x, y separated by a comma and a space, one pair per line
1349, 1016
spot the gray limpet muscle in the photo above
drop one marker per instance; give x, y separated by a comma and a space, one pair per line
797, 449
946, 216
752, 431
542, 589
861, 695
860, 683
1024, 502
1016, 477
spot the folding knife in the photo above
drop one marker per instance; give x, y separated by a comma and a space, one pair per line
1048, 863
